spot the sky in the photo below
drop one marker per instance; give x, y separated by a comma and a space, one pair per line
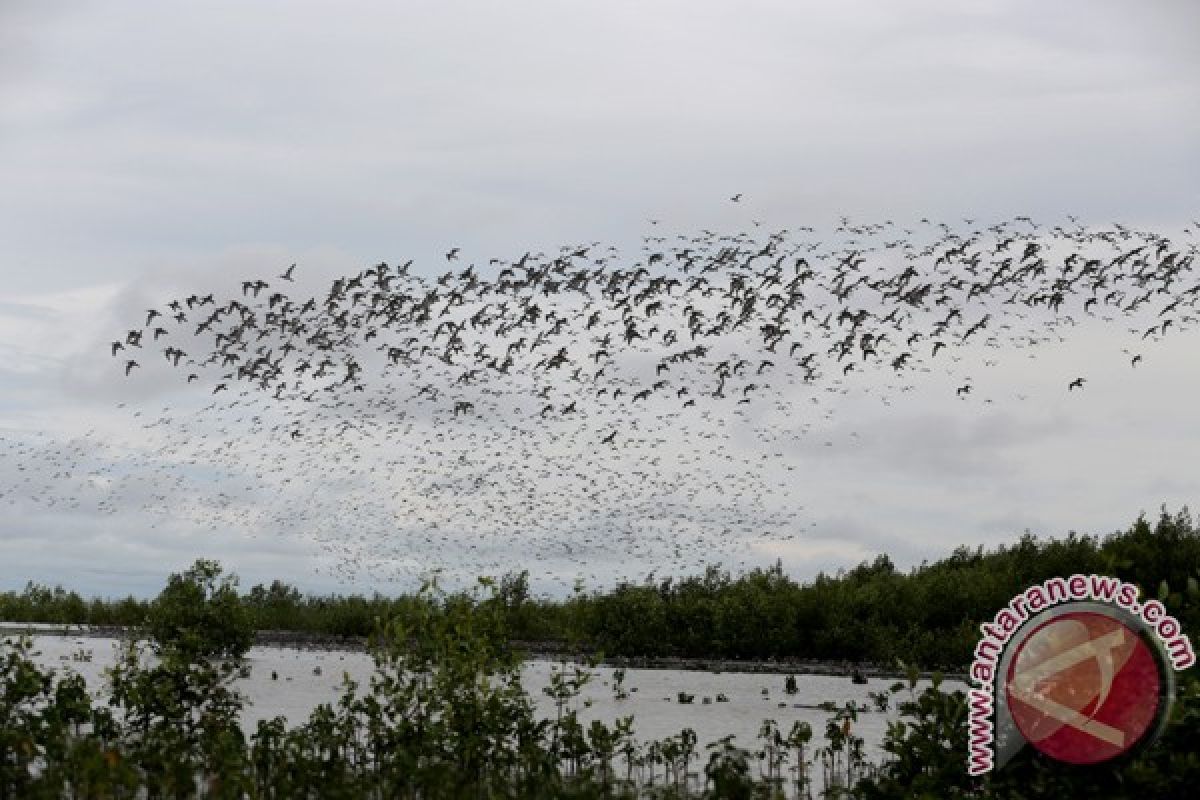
154, 150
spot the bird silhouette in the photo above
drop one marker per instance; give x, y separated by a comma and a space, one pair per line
459, 365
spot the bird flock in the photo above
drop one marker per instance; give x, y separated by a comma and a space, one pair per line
583, 403
716, 317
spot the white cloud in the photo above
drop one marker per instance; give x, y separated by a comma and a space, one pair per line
154, 150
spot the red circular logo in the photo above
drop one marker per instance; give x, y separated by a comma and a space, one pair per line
1083, 688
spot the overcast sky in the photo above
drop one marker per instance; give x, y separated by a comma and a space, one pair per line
153, 149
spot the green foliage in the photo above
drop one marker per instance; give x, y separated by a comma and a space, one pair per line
445, 716
37, 603
873, 612
928, 745
200, 615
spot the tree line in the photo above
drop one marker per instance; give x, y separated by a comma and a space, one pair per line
445, 715
929, 615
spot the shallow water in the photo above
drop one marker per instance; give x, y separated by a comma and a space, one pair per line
657, 714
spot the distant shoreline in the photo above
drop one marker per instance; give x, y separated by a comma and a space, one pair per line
547, 651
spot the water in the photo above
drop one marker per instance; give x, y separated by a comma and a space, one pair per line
299, 689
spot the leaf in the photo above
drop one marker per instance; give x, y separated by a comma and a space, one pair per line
1163, 590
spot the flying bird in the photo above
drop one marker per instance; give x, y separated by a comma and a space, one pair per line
712, 309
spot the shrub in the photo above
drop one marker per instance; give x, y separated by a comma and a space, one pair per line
199, 615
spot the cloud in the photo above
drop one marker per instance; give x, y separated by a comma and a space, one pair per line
150, 152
